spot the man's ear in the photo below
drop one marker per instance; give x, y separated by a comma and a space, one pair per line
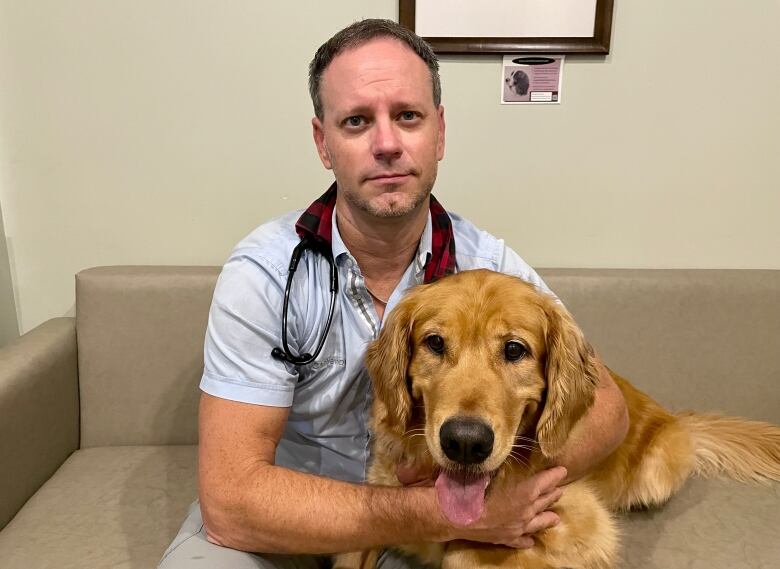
319, 141
440, 142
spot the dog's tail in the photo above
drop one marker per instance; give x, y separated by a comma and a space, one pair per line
748, 451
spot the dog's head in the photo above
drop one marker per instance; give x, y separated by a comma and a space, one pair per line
519, 82
486, 361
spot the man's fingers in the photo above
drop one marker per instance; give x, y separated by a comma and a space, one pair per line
547, 480
410, 475
525, 542
541, 522
546, 500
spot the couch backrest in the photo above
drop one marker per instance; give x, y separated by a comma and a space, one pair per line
140, 337
708, 340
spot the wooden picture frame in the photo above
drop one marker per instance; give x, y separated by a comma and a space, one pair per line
596, 43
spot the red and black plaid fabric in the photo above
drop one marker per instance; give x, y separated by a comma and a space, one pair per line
316, 223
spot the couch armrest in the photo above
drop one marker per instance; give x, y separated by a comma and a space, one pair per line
39, 410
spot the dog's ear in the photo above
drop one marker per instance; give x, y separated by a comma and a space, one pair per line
571, 376
387, 361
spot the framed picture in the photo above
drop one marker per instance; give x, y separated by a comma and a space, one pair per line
511, 26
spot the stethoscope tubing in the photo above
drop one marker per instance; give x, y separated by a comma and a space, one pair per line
323, 248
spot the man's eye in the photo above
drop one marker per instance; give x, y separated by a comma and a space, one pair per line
408, 115
354, 121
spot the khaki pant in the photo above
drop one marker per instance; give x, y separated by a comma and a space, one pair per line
191, 550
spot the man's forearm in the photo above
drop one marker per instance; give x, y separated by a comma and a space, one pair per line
290, 512
599, 432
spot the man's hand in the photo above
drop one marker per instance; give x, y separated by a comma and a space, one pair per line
512, 516
410, 475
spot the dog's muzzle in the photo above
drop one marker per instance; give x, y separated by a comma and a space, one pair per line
466, 441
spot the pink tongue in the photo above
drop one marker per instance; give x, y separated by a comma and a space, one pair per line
461, 496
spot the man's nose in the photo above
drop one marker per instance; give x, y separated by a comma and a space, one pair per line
387, 142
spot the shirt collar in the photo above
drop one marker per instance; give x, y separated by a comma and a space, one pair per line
435, 253
337, 244
424, 251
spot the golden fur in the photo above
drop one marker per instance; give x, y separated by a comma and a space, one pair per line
531, 406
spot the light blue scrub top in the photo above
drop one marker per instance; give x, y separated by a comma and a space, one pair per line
327, 431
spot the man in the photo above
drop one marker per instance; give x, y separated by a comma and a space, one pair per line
283, 447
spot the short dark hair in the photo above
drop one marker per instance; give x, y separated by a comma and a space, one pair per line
359, 33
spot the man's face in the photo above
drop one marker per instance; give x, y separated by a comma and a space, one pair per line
381, 134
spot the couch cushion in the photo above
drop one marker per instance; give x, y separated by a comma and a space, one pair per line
140, 346
120, 507
709, 524
105, 507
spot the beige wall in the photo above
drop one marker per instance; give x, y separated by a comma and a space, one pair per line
162, 132
9, 327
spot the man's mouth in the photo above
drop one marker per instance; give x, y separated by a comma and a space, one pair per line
389, 178
461, 495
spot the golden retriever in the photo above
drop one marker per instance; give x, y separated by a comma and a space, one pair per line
492, 375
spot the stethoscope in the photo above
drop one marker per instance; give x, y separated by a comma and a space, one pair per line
320, 246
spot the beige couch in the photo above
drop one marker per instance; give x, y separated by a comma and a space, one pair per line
98, 413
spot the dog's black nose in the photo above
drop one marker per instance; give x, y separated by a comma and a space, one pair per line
465, 440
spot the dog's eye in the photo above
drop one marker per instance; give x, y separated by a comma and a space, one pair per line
435, 343
514, 351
